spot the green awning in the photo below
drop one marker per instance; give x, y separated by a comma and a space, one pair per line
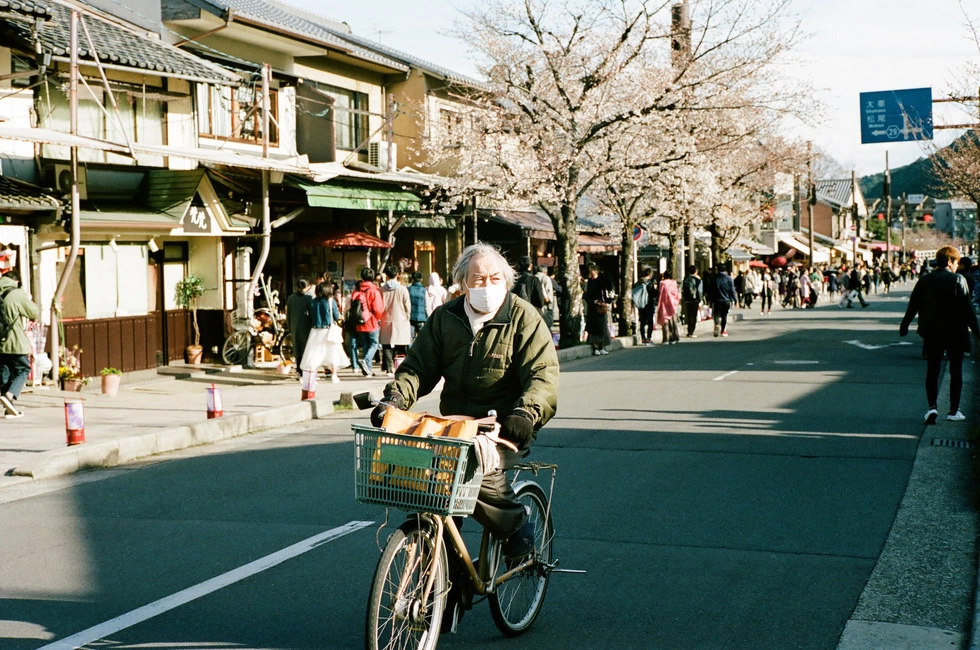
359, 197
431, 221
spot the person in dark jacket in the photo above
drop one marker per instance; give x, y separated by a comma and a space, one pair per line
527, 285
299, 321
692, 291
724, 297
855, 283
942, 301
494, 353
416, 292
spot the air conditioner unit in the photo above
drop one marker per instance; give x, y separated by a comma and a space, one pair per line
62, 180
378, 155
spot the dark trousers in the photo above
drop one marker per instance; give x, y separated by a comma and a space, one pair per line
388, 353
497, 508
721, 309
934, 357
690, 310
14, 370
766, 301
646, 322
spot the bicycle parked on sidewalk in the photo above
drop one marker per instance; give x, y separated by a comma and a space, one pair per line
436, 479
265, 329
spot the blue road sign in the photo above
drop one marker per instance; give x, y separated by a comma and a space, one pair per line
896, 115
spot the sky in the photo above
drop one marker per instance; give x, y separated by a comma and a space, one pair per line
853, 47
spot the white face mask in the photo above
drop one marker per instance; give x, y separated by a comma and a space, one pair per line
488, 299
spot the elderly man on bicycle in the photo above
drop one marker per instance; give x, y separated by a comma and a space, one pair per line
496, 354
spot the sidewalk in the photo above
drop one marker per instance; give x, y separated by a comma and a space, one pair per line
165, 410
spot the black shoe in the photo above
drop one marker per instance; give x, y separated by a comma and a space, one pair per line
451, 617
521, 543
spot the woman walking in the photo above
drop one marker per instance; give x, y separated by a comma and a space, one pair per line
667, 309
326, 343
767, 287
598, 299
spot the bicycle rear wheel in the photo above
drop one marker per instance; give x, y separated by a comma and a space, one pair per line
399, 615
237, 347
516, 603
286, 349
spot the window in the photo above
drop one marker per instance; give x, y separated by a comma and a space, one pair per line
235, 113
20, 63
140, 117
350, 118
115, 282
451, 124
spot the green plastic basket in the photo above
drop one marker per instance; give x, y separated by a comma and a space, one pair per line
437, 475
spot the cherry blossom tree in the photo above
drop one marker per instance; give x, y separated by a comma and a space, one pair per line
571, 83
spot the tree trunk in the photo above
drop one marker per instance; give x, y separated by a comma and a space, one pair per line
569, 276
625, 290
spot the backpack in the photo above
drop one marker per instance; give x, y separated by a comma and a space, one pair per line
641, 296
521, 289
5, 325
689, 289
355, 314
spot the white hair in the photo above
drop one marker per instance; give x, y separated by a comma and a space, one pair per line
481, 250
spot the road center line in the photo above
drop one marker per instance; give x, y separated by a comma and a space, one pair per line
727, 374
185, 596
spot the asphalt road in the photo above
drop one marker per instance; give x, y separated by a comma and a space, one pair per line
720, 493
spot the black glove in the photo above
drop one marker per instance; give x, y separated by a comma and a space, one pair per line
518, 429
378, 414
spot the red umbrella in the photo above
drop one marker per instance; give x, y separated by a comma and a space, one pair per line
355, 240
758, 264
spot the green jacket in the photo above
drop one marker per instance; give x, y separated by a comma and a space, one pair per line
510, 363
16, 304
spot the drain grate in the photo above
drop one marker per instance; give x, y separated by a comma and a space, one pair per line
956, 444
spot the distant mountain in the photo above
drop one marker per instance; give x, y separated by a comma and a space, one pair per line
914, 178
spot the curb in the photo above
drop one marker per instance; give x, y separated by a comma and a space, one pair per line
125, 450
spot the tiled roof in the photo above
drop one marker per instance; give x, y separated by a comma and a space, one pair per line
18, 195
415, 62
117, 45
278, 17
835, 192
25, 7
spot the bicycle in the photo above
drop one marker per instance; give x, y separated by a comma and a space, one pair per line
265, 329
436, 479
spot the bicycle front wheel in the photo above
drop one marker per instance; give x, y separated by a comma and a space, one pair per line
516, 603
401, 612
236, 348
286, 349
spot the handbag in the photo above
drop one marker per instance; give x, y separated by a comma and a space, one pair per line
601, 307
335, 334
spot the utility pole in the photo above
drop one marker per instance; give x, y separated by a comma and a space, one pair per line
266, 216
59, 291
811, 197
901, 212
854, 215
680, 55
886, 191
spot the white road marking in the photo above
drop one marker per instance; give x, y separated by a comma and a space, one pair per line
866, 346
173, 601
727, 374
795, 362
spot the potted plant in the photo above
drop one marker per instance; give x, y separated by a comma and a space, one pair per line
187, 293
70, 369
110, 381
